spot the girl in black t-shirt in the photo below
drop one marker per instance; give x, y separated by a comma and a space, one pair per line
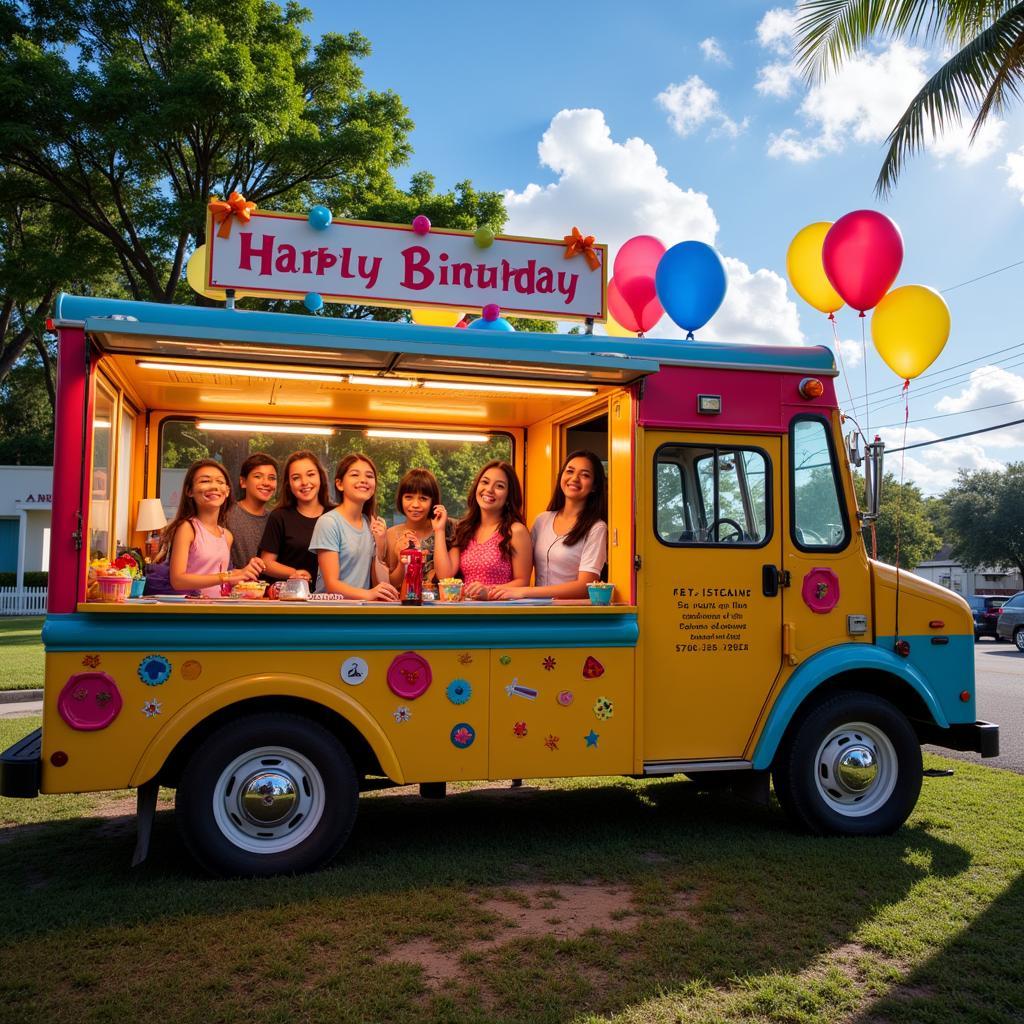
285, 544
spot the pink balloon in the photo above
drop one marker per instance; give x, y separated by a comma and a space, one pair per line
639, 257
639, 317
862, 254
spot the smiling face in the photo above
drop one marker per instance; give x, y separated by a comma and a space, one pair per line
577, 480
304, 480
209, 488
416, 507
492, 490
359, 482
261, 483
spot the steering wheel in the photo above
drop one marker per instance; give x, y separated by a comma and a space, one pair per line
733, 538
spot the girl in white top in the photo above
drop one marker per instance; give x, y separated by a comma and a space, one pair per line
570, 539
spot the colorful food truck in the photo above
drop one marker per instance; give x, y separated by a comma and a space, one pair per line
749, 631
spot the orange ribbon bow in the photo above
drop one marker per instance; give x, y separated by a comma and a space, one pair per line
236, 205
578, 244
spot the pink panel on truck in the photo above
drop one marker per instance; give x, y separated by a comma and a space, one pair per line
751, 400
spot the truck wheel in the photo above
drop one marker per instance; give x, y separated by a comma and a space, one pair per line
1018, 639
268, 794
852, 766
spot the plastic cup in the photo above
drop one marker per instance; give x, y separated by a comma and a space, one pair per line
114, 589
450, 591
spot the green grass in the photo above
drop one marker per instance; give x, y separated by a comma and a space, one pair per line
21, 653
924, 927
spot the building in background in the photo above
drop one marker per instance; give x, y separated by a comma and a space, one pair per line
25, 496
945, 570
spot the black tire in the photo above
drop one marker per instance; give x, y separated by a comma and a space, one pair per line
302, 796
1018, 638
855, 801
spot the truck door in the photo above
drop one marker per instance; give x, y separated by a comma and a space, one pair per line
711, 610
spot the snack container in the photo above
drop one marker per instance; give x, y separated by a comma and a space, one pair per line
449, 590
114, 589
293, 590
600, 593
249, 591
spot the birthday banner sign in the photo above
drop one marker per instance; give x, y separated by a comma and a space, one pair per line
282, 255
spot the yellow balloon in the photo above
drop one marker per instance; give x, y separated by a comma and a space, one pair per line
909, 328
195, 274
805, 270
431, 317
616, 330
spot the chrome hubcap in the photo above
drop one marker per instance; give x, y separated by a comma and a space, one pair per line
268, 797
856, 769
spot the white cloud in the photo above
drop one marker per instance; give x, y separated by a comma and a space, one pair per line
1015, 165
693, 103
777, 79
616, 190
852, 352
988, 385
955, 143
713, 51
776, 28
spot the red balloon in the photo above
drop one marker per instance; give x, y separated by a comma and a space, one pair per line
639, 257
862, 254
636, 308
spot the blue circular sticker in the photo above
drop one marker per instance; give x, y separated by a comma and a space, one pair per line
463, 735
459, 691
154, 669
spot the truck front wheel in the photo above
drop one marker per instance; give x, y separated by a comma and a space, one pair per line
268, 794
851, 766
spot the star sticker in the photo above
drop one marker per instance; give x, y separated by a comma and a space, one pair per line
591, 738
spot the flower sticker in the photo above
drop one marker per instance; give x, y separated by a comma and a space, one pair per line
463, 735
505, 660
603, 708
551, 742
459, 691
152, 708
549, 663
465, 658
519, 729
401, 714
91, 661
154, 669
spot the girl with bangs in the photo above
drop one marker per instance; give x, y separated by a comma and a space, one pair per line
417, 496
491, 545
285, 544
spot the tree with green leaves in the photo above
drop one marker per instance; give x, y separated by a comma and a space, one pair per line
984, 513
982, 76
904, 527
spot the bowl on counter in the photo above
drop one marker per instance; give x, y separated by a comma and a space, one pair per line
600, 593
251, 590
294, 590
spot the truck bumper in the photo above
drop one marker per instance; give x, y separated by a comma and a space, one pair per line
21, 767
981, 737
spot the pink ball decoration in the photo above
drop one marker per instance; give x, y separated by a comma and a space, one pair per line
491, 311
421, 224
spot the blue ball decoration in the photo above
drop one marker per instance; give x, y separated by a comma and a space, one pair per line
320, 218
313, 302
497, 324
691, 282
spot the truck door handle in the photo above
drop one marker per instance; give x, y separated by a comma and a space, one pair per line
773, 579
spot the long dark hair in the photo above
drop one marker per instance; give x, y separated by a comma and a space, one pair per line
187, 505
288, 499
369, 506
595, 508
511, 512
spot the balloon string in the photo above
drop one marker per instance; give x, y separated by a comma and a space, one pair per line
899, 502
864, 357
689, 336
842, 361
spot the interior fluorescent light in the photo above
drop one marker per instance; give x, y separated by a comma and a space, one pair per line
266, 428
427, 435
101, 424
512, 389
241, 371
385, 382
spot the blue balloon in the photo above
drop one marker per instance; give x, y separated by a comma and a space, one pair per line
313, 302
500, 324
690, 281
320, 218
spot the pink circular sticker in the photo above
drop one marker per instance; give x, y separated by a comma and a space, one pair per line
89, 701
820, 590
409, 676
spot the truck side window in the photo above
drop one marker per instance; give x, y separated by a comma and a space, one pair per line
711, 496
818, 518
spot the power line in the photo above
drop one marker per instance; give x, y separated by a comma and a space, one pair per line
981, 277
946, 415
956, 437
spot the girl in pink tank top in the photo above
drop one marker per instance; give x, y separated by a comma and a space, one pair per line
198, 543
491, 544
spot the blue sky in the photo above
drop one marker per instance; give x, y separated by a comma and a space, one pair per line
684, 120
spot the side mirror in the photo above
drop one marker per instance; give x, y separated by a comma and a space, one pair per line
853, 449
874, 457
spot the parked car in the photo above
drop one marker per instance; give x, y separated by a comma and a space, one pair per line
986, 614
1010, 624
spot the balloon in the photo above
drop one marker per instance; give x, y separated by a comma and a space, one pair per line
497, 324
421, 224
639, 257
909, 328
313, 301
691, 284
430, 317
862, 254
616, 330
491, 311
195, 274
639, 315
483, 237
805, 270
319, 218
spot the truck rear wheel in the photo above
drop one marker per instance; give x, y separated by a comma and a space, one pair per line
268, 794
852, 766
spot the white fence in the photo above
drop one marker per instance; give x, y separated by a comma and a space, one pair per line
27, 601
